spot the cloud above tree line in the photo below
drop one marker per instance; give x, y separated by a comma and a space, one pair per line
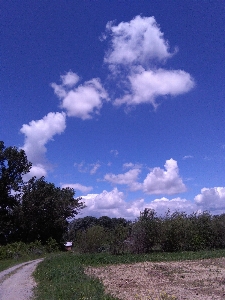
114, 204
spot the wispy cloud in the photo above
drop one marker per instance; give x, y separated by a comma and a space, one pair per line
77, 186
129, 178
187, 157
84, 167
114, 152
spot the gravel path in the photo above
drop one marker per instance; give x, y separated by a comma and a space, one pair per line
16, 283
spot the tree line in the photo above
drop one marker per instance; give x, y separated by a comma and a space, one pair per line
32, 210
171, 232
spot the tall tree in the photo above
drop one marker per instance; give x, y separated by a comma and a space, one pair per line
13, 165
46, 209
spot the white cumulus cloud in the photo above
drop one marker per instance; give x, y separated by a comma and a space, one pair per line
106, 203
114, 204
37, 134
212, 199
137, 41
147, 85
83, 101
162, 205
168, 181
136, 50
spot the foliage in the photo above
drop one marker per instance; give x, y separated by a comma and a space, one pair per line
19, 250
118, 239
13, 165
145, 232
169, 233
62, 276
81, 235
45, 210
92, 240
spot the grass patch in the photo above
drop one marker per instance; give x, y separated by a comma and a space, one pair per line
62, 277
5, 264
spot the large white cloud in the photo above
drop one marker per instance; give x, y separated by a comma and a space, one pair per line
107, 203
136, 50
163, 204
114, 204
37, 134
212, 199
83, 101
167, 181
147, 85
137, 41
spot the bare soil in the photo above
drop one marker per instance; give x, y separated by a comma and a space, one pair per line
192, 280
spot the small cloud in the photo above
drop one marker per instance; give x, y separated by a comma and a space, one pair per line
77, 186
187, 157
207, 158
87, 168
114, 152
132, 166
129, 178
95, 167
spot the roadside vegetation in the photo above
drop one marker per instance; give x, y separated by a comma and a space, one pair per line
18, 252
62, 276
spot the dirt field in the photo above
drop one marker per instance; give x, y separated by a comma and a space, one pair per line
192, 280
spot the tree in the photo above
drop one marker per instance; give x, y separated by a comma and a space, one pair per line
46, 210
13, 165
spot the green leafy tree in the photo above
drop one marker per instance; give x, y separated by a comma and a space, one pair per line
146, 232
92, 240
46, 210
13, 165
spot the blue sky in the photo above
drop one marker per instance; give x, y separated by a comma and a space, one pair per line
121, 100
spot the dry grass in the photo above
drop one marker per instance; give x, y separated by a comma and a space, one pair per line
191, 280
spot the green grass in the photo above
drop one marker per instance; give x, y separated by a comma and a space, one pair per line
61, 276
7, 263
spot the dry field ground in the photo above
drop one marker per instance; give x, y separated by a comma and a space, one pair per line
192, 280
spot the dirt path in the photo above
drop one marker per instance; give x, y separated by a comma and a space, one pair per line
16, 283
